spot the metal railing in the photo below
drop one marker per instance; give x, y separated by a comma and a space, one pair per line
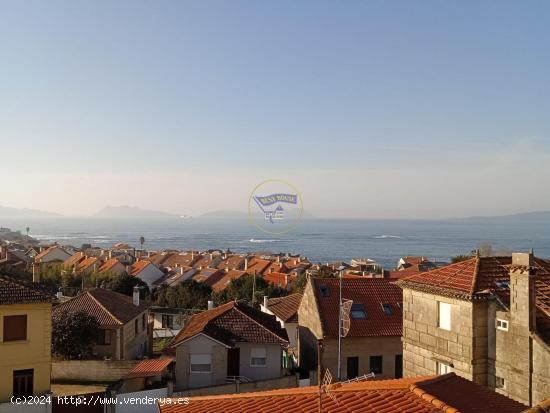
237, 379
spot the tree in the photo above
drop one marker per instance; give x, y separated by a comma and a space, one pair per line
460, 258
74, 334
188, 294
241, 289
124, 284
141, 242
27, 229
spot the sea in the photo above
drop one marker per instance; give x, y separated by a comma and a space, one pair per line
320, 240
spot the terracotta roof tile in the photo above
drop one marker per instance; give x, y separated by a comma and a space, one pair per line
223, 282
110, 308
139, 267
108, 265
372, 293
277, 278
286, 308
402, 395
483, 276
149, 368
233, 322
13, 291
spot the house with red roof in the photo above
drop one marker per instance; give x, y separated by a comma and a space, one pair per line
112, 266
123, 322
146, 271
286, 311
429, 394
372, 343
228, 342
486, 319
52, 254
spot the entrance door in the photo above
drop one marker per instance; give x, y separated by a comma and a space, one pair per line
233, 362
353, 367
398, 366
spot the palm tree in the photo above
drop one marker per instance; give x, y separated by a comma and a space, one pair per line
27, 229
141, 241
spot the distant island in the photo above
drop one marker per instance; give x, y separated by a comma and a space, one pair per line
125, 211
521, 216
25, 213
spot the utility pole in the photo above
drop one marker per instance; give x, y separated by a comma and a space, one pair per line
254, 289
340, 329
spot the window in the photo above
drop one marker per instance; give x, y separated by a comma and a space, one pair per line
201, 363
143, 322
376, 364
502, 325
358, 312
444, 316
167, 321
258, 357
443, 368
352, 367
136, 327
23, 382
325, 291
103, 337
499, 382
15, 327
387, 309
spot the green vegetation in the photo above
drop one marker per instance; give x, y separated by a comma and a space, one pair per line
74, 334
188, 294
241, 289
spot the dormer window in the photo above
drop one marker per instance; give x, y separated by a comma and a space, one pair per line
387, 309
503, 284
325, 291
358, 312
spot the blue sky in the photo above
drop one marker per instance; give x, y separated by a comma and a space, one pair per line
198, 101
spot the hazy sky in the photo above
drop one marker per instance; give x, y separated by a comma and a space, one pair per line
371, 108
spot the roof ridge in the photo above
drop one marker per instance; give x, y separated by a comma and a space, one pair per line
102, 306
261, 325
476, 275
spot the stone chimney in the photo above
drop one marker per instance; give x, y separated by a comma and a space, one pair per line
135, 297
523, 292
210, 304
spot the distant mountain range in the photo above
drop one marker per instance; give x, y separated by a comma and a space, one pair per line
522, 216
125, 211
25, 213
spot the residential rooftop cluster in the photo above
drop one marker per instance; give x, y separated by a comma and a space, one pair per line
469, 336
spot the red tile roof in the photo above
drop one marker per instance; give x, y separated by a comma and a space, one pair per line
277, 278
233, 322
139, 267
482, 277
448, 393
372, 293
286, 308
14, 291
257, 265
110, 308
108, 265
148, 368
87, 263
233, 262
223, 282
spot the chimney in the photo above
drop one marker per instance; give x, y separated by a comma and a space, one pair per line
265, 301
246, 264
59, 294
210, 304
278, 258
110, 254
523, 292
35, 274
135, 297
